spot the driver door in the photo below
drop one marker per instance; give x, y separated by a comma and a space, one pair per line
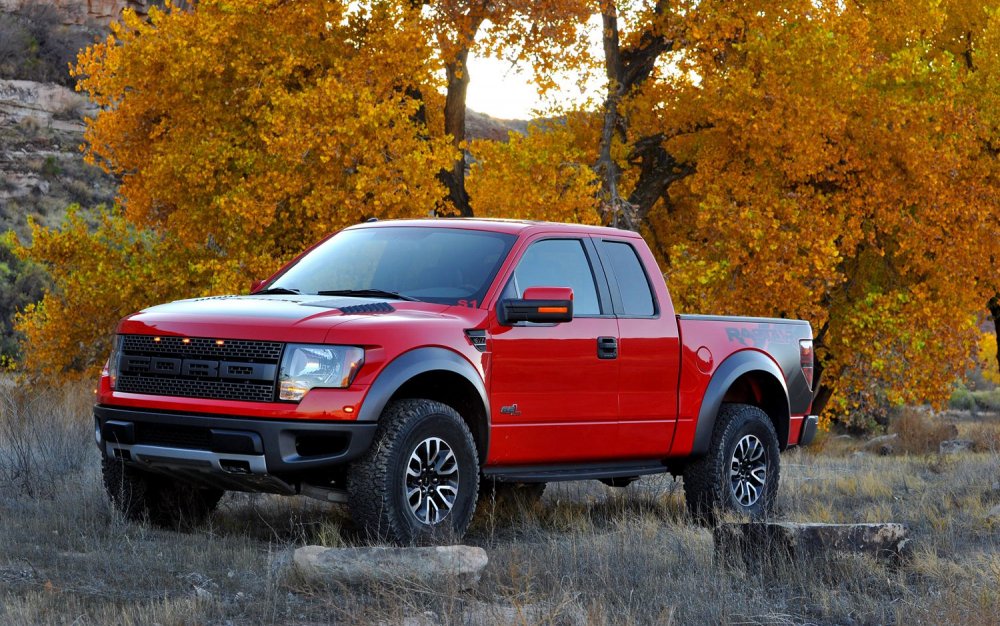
554, 398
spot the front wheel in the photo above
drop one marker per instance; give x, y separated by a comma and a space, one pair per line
740, 472
418, 481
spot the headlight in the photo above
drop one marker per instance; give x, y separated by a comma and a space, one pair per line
116, 345
306, 366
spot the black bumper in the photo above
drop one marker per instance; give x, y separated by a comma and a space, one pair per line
241, 445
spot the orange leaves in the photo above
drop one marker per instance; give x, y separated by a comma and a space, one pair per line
265, 124
839, 179
547, 162
831, 161
241, 132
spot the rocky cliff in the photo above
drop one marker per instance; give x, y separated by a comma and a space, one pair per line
41, 167
81, 11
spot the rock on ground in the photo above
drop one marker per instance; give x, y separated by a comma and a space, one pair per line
954, 446
756, 541
883, 445
435, 567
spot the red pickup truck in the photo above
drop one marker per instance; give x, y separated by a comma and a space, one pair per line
408, 367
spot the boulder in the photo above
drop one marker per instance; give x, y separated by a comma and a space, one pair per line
954, 446
432, 566
755, 541
883, 446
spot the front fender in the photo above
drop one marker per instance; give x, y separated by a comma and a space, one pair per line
413, 363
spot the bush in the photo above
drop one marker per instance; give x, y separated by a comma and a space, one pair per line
42, 438
21, 283
918, 432
961, 399
987, 400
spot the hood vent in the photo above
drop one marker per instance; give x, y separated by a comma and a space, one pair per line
375, 307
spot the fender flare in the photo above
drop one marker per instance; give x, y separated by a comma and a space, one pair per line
728, 372
413, 363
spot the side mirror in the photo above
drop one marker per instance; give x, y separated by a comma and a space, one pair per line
550, 305
256, 285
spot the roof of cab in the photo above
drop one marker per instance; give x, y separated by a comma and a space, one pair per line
514, 227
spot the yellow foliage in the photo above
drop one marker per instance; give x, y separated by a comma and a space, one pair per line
546, 161
241, 134
116, 270
843, 176
988, 357
838, 160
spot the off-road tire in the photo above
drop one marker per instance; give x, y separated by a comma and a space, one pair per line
161, 500
708, 485
377, 482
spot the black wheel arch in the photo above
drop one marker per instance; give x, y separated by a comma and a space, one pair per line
433, 373
746, 377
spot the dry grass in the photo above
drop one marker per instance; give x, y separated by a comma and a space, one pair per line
586, 553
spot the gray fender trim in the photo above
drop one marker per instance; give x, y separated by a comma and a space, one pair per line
725, 375
414, 363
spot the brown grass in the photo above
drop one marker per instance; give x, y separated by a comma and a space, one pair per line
918, 432
586, 553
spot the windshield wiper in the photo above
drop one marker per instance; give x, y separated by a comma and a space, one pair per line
367, 293
271, 290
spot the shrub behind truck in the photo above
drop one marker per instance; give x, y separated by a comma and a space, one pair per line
412, 368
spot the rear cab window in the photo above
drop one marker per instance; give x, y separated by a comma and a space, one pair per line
632, 286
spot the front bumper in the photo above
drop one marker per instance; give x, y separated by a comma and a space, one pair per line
231, 452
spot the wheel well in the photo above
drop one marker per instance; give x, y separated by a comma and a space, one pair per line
764, 391
458, 393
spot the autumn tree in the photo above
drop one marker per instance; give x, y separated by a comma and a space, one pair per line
550, 161
545, 35
840, 172
816, 159
240, 133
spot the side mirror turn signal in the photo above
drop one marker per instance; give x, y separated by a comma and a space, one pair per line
551, 305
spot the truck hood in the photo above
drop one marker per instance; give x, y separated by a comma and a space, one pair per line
304, 318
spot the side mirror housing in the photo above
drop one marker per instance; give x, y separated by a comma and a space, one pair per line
546, 305
256, 285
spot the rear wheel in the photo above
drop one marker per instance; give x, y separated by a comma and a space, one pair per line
164, 501
741, 470
418, 481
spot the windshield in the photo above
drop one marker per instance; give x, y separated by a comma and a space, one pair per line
442, 265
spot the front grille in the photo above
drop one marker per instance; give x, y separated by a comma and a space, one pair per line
200, 347
198, 367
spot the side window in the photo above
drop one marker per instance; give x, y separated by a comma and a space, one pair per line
637, 296
557, 263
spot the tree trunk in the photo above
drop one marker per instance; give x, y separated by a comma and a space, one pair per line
454, 125
994, 307
626, 70
614, 205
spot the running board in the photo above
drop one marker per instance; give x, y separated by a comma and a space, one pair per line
572, 471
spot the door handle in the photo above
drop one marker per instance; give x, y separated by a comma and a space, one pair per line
607, 347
